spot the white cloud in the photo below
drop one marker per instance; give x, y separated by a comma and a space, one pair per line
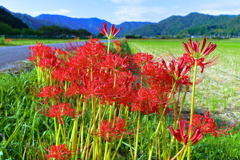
139, 13
127, 1
219, 12
58, 12
229, 7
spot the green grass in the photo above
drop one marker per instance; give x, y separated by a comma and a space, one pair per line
20, 42
21, 126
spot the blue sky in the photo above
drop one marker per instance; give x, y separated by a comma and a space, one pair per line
118, 11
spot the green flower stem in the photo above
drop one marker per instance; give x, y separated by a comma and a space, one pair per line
183, 149
164, 139
108, 47
81, 137
156, 133
148, 133
56, 130
192, 103
137, 135
116, 149
73, 140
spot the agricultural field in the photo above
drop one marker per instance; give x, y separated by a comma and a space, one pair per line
220, 89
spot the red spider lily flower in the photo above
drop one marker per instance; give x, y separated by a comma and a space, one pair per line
113, 31
146, 101
207, 125
44, 56
115, 61
178, 70
189, 60
50, 92
59, 152
60, 110
142, 58
183, 136
114, 129
193, 48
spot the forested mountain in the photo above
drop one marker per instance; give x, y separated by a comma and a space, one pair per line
7, 18
90, 24
127, 27
191, 24
32, 22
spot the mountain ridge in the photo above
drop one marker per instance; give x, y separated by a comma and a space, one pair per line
191, 24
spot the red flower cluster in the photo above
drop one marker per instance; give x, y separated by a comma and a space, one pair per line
114, 129
44, 56
59, 152
50, 92
182, 135
207, 125
90, 71
60, 110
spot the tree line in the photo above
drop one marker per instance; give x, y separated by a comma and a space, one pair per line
45, 32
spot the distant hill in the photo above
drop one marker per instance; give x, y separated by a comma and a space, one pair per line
175, 25
127, 27
90, 24
7, 18
32, 22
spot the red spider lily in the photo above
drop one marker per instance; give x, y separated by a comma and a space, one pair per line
60, 110
178, 70
50, 92
113, 31
142, 58
207, 125
44, 56
59, 152
183, 136
193, 48
195, 53
118, 88
114, 129
146, 101
189, 60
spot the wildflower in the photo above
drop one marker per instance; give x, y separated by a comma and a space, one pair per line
178, 70
195, 53
59, 152
113, 31
60, 110
193, 48
142, 58
207, 125
188, 60
44, 56
115, 129
183, 136
50, 92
